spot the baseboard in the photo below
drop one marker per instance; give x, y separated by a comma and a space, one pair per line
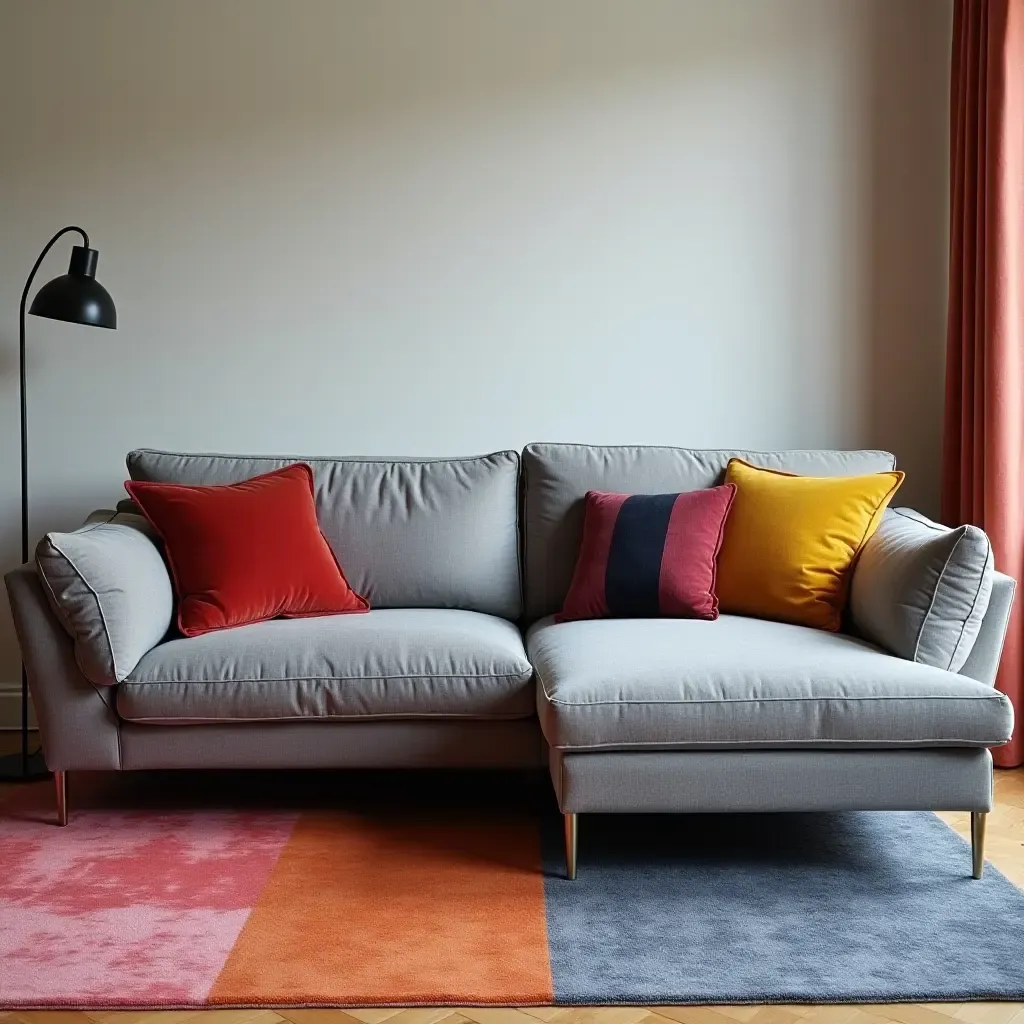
10, 708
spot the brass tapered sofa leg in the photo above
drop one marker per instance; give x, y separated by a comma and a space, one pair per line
60, 782
978, 822
571, 835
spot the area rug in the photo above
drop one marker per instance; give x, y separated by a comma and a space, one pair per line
165, 893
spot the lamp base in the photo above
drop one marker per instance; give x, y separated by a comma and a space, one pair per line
15, 768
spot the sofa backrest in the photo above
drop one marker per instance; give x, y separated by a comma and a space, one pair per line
557, 476
412, 533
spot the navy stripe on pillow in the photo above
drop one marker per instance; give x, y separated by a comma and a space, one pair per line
633, 573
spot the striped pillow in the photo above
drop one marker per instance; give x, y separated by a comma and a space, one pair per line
649, 555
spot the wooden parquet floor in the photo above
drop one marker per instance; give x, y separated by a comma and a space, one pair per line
1005, 848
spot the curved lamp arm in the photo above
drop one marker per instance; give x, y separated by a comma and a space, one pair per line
42, 256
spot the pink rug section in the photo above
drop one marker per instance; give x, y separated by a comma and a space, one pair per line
144, 904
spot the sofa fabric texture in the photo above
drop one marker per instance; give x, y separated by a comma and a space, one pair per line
432, 533
110, 589
983, 661
246, 552
557, 476
649, 555
791, 541
921, 590
751, 781
78, 724
411, 662
745, 683
630, 714
351, 743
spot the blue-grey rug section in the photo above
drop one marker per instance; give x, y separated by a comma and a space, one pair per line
855, 907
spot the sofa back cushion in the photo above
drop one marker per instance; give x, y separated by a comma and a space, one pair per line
411, 533
557, 476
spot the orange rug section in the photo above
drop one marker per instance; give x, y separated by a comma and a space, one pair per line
360, 910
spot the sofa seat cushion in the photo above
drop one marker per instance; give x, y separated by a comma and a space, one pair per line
741, 682
388, 663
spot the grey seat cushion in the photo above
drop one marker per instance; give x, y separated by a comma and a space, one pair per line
409, 533
921, 590
556, 477
388, 663
109, 587
739, 682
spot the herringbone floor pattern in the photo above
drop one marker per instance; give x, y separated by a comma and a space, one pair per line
1005, 848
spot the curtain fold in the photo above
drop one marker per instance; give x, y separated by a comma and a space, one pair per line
983, 444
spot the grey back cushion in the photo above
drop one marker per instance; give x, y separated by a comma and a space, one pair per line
557, 476
409, 533
921, 590
108, 585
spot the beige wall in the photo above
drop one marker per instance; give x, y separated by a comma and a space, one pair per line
450, 226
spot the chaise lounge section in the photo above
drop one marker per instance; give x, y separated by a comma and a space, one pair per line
742, 714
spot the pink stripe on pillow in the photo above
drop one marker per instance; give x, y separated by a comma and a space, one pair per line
586, 597
690, 561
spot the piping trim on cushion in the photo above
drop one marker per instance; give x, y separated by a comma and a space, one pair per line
938, 583
754, 700
518, 677
95, 596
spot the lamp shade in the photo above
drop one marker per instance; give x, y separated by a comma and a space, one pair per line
77, 296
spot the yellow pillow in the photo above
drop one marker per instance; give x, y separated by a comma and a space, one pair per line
791, 541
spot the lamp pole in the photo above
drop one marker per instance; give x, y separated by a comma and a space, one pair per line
75, 297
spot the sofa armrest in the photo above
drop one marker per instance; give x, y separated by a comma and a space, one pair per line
77, 721
110, 589
921, 590
983, 661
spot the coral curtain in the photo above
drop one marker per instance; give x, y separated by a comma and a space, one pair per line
983, 457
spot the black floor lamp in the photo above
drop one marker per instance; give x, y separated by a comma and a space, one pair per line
78, 298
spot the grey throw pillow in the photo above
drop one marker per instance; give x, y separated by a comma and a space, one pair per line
920, 590
108, 585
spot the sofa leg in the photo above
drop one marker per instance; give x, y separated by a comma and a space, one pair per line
60, 781
570, 845
978, 821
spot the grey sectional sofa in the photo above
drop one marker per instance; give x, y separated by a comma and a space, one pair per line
460, 663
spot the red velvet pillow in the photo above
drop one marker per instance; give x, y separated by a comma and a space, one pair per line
649, 555
246, 552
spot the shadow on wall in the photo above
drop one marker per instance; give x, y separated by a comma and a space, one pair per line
907, 240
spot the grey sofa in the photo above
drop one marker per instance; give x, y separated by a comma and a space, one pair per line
460, 663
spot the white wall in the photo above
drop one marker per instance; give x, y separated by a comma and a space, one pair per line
344, 226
